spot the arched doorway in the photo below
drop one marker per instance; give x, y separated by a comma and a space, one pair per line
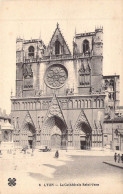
55, 130
56, 137
85, 134
31, 135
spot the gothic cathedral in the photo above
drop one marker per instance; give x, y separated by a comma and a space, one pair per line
60, 96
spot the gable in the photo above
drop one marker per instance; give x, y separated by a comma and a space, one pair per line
82, 119
55, 110
58, 43
28, 119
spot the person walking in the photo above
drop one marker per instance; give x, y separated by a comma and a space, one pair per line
122, 158
118, 158
57, 154
115, 157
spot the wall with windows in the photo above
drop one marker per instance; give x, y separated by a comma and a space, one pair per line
84, 43
111, 87
111, 138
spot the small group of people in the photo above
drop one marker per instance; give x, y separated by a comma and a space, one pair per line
118, 158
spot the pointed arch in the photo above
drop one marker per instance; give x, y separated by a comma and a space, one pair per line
82, 119
86, 103
28, 120
79, 103
57, 47
83, 104
31, 51
54, 132
85, 46
89, 103
76, 104
70, 104
98, 103
82, 132
101, 103
54, 109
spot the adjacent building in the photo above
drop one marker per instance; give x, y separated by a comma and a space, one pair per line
6, 131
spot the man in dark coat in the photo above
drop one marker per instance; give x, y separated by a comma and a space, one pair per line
57, 154
118, 158
115, 157
122, 158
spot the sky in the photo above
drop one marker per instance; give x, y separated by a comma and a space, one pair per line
32, 19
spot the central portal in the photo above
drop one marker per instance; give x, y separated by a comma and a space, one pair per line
56, 141
57, 132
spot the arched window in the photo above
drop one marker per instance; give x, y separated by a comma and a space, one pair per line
70, 104
111, 85
57, 47
86, 103
76, 104
83, 103
85, 46
101, 103
106, 84
6, 136
28, 105
94, 103
79, 103
98, 103
89, 103
31, 51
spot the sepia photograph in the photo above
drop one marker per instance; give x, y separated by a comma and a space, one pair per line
61, 97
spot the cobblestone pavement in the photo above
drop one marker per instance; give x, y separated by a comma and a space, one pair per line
84, 169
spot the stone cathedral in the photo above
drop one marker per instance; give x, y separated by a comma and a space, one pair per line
60, 96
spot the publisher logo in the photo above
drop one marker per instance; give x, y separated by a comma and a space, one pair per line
11, 182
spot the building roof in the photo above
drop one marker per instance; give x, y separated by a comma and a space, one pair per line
114, 120
120, 107
84, 34
110, 76
6, 126
4, 116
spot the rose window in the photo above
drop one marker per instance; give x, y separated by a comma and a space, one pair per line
56, 76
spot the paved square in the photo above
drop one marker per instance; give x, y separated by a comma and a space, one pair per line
42, 171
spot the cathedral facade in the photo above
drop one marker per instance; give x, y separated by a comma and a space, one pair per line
60, 96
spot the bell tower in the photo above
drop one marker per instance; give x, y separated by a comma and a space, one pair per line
88, 55
97, 60
28, 56
19, 66
98, 42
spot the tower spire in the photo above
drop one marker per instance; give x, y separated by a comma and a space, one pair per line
57, 25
